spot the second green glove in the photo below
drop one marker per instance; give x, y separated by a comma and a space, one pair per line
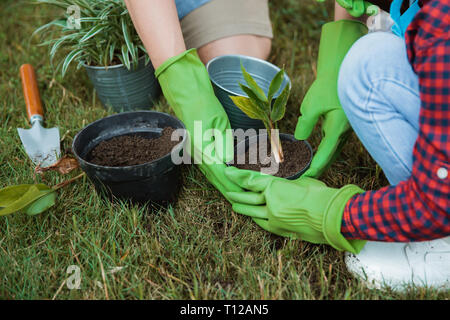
322, 100
305, 208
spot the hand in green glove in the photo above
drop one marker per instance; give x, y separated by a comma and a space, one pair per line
186, 85
357, 8
322, 98
305, 209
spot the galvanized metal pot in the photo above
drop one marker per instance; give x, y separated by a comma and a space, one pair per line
125, 90
225, 73
157, 181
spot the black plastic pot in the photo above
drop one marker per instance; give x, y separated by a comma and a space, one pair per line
226, 74
157, 181
125, 90
243, 146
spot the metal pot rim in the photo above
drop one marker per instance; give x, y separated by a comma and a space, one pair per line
116, 66
210, 62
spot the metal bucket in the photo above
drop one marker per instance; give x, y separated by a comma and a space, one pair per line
225, 73
123, 89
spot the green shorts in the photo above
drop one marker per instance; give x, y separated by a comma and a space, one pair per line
225, 18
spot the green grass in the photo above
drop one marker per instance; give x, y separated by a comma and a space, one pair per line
197, 249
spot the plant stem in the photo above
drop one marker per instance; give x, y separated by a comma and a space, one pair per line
275, 144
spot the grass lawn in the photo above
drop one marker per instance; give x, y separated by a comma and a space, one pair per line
196, 249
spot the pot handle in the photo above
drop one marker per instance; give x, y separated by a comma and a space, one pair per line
33, 102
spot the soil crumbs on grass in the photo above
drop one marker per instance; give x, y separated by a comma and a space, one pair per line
296, 157
130, 150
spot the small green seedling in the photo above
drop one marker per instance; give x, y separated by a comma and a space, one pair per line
259, 106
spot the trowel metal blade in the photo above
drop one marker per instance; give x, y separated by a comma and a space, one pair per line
42, 145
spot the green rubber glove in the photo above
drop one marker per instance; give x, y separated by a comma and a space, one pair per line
357, 8
322, 97
186, 85
305, 208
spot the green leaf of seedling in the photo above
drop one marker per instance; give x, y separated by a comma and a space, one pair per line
264, 106
275, 84
249, 108
253, 85
27, 198
279, 107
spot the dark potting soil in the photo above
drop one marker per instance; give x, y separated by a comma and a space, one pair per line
130, 150
296, 157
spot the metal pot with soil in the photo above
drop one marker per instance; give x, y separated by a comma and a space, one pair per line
225, 73
125, 90
269, 152
129, 156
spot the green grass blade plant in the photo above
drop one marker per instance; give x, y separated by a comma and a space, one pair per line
106, 35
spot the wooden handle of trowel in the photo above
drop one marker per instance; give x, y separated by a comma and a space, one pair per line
31, 92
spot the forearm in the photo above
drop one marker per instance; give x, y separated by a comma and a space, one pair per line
158, 27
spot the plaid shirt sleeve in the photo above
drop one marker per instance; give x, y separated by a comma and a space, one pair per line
419, 208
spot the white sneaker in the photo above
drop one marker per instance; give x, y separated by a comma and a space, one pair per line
397, 265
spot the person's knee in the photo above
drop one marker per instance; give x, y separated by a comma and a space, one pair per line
249, 45
369, 60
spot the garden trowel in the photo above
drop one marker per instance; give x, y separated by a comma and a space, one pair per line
41, 145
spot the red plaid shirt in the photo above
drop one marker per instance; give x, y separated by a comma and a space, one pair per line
419, 208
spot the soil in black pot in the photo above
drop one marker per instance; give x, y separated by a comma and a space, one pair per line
296, 157
130, 150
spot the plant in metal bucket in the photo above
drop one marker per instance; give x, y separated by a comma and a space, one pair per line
103, 35
99, 36
259, 106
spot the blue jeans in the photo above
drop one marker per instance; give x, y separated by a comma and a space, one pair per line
379, 93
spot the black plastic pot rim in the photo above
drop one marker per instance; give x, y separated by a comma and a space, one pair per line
246, 58
116, 66
179, 145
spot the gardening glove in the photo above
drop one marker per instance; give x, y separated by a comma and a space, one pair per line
306, 209
357, 8
186, 85
322, 97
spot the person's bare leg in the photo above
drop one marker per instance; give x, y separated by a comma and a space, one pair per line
246, 44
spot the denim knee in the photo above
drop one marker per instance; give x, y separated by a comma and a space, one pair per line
372, 57
379, 93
